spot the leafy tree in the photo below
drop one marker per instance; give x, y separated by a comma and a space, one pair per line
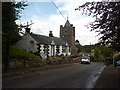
87, 48
102, 52
78, 45
107, 21
10, 32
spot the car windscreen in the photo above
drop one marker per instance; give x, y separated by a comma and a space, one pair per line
85, 58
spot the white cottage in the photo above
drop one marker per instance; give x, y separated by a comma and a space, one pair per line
45, 46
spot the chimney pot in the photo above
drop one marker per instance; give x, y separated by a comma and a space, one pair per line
50, 34
27, 30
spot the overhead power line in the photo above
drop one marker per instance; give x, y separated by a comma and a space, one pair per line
58, 9
83, 40
37, 14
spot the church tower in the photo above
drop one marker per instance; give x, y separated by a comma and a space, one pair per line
67, 33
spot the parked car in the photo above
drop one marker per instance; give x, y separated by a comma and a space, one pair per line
117, 63
85, 60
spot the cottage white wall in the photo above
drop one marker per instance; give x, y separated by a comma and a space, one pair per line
43, 55
64, 53
42, 51
50, 54
41, 48
25, 43
69, 53
49, 50
60, 50
55, 50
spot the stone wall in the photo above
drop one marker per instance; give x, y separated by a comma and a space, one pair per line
31, 62
27, 43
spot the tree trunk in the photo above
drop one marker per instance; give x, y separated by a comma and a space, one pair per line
7, 53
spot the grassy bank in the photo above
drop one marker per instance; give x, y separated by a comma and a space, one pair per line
17, 53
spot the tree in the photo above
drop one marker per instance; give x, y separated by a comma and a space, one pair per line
107, 21
103, 53
87, 48
10, 32
78, 45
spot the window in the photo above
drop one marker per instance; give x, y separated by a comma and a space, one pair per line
31, 42
69, 49
63, 48
57, 49
46, 49
38, 47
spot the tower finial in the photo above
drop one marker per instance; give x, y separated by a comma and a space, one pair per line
67, 16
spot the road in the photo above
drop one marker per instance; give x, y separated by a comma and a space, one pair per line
75, 76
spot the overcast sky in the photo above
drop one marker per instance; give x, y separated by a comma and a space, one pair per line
46, 17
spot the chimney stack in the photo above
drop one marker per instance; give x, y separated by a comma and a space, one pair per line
50, 34
27, 30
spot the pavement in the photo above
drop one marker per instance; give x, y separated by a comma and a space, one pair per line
109, 78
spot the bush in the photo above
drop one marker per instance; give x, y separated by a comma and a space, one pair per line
108, 60
92, 58
73, 56
117, 57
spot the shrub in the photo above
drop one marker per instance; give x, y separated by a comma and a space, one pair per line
108, 60
117, 57
92, 58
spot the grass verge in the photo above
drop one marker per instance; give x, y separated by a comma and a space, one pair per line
17, 53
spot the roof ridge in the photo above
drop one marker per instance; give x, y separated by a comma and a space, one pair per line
44, 35
47, 40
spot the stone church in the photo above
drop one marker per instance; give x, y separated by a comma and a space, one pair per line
67, 33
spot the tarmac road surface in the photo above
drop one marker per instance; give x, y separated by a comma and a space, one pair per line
75, 76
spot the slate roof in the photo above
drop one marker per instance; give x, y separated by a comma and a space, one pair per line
47, 40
